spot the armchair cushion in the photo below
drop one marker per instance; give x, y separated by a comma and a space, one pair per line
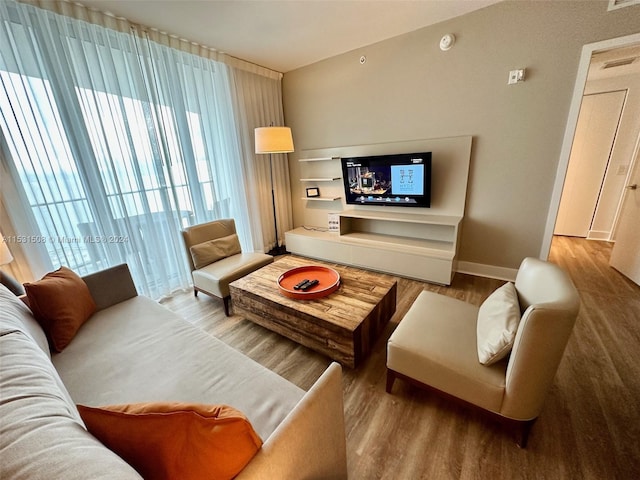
206, 253
435, 344
216, 277
498, 319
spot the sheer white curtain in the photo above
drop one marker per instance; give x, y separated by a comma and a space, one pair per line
258, 102
113, 143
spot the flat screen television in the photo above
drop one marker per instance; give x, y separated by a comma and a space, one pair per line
388, 180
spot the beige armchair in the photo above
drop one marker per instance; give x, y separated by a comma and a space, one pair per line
216, 259
439, 342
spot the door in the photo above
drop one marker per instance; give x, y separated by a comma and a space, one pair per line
593, 142
625, 256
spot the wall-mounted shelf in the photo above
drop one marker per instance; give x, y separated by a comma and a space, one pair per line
326, 179
322, 199
319, 174
319, 159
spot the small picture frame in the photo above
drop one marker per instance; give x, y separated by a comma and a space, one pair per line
313, 192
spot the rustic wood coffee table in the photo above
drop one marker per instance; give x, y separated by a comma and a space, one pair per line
343, 325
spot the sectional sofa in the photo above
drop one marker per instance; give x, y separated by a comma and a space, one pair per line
133, 350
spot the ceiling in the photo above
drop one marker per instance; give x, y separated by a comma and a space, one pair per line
285, 35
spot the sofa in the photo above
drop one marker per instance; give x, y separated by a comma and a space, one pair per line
131, 350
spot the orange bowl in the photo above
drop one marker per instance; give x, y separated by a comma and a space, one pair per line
328, 282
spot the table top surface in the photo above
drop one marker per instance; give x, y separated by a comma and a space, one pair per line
359, 293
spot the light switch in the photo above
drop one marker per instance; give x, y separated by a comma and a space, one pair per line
516, 76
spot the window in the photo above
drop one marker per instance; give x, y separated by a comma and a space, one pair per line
117, 144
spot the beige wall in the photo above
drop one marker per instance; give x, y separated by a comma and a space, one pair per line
408, 89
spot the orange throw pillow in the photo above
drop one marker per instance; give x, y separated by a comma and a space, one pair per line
176, 440
61, 303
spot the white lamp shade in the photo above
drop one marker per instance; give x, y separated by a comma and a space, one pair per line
5, 254
273, 140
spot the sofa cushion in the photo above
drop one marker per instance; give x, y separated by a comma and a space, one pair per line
497, 324
43, 436
206, 253
174, 362
176, 440
61, 303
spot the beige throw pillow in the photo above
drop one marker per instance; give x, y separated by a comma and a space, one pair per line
497, 324
206, 253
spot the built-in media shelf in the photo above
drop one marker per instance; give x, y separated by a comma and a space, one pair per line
412, 245
409, 241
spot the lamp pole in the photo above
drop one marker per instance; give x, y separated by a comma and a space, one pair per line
276, 250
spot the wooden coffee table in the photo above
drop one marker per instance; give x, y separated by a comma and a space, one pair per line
343, 325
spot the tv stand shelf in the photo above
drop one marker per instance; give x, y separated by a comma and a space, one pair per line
413, 245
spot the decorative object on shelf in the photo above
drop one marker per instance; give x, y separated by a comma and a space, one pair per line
273, 140
308, 282
447, 41
6, 279
334, 222
313, 192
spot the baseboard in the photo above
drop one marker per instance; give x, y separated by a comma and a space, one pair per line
489, 271
598, 235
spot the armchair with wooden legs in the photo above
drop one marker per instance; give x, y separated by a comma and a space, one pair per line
216, 259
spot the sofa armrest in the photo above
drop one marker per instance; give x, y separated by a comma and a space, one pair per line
110, 286
310, 443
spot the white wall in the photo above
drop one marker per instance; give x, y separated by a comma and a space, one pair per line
408, 89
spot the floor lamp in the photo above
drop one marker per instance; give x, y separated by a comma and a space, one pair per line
274, 140
7, 280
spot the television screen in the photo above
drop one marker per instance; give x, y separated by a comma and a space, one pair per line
399, 180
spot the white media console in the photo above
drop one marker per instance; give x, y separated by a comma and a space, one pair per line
420, 243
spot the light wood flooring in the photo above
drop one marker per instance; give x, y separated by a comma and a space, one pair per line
590, 425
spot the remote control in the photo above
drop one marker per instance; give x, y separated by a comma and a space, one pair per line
304, 284
298, 286
310, 284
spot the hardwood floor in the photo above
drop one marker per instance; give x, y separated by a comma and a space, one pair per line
590, 425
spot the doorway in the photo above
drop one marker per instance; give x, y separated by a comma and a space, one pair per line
625, 172
588, 189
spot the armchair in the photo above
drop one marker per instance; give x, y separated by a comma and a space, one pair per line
436, 346
216, 259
